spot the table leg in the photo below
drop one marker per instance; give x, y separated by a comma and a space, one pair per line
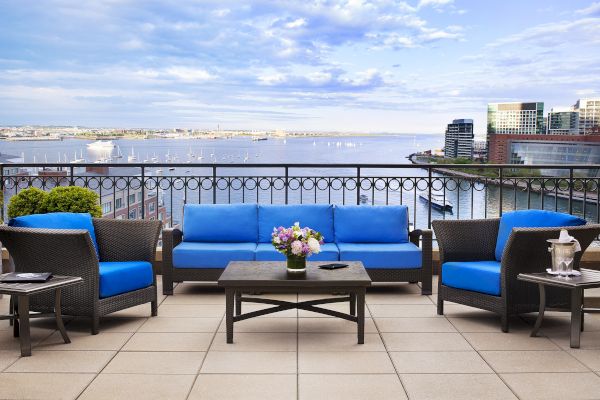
15, 313
238, 302
24, 326
352, 304
58, 316
542, 309
576, 300
229, 300
360, 305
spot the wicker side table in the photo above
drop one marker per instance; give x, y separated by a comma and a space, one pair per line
21, 293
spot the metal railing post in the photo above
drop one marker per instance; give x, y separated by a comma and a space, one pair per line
214, 185
429, 202
144, 193
357, 186
1, 192
500, 175
286, 183
571, 191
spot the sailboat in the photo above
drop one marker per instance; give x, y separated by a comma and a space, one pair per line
131, 157
78, 160
201, 156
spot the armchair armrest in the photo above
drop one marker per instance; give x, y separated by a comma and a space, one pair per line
171, 238
127, 240
466, 240
426, 254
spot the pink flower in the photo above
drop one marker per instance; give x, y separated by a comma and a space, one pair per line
297, 248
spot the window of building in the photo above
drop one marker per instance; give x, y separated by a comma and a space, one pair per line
118, 203
151, 207
106, 207
132, 198
140, 197
133, 213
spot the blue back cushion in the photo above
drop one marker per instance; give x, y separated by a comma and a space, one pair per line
316, 216
220, 223
371, 224
58, 220
531, 219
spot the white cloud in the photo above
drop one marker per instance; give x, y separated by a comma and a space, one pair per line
132, 44
592, 9
187, 74
434, 3
297, 23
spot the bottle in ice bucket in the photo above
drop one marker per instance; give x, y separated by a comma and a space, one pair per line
563, 252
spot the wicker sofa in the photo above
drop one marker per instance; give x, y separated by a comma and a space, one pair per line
480, 260
213, 235
114, 258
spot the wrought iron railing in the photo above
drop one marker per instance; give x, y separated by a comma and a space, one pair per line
430, 191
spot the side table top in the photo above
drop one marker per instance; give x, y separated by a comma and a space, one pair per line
589, 279
23, 288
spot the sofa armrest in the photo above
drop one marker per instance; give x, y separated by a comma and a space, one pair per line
466, 240
427, 254
127, 240
171, 238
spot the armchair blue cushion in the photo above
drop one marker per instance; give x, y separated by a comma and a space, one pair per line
316, 216
531, 219
477, 276
124, 276
382, 255
220, 223
371, 224
211, 255
266, 252
58, 220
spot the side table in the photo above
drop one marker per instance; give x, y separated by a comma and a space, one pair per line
576, 284
21, 293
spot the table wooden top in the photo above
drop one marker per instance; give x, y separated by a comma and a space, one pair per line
274, 274
589, 279
21, 288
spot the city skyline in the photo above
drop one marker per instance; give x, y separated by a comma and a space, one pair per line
380, 66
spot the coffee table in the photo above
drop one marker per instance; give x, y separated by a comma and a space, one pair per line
21, 293
272, 277
576, 284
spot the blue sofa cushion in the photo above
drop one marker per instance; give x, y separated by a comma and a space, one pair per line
124, 276
316, 216
220, 223
477, 276
58, 220
531, 219
211, 255
371, 224
266, 252
382, 255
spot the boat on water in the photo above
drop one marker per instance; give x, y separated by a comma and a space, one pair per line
101, 144
438, 201
118, 155
131, 157
258, 139
78, 160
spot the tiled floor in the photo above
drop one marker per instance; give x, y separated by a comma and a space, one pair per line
409, 352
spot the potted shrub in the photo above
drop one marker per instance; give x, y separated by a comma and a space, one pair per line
60, 199
26, 202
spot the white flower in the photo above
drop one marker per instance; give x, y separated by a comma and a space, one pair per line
314, 245
297, 248
276, 240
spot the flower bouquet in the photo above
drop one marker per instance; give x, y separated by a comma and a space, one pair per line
297, 244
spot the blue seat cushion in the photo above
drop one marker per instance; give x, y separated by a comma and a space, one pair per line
58, 220
124, 276
531, 219
211, 255
477, 276
316, 216
382, 255
266, 252
220, 223
371, 224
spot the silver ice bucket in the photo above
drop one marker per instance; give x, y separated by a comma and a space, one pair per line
563, 255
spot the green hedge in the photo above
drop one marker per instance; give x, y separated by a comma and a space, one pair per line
60, 199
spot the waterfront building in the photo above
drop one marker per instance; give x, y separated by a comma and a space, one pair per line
589, 116
516, 118
563, 121
459, 139
479, 150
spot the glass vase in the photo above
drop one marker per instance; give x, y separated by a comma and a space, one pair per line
296, 264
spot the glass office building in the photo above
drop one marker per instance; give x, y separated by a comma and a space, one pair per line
563, 121
532, 152
516, 118
459, 139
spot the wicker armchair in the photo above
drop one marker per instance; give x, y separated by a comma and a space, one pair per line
71, 252
525, 251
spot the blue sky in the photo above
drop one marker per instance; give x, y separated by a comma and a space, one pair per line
346, 65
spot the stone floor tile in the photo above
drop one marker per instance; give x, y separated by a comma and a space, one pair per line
332, 325
7, 357
414, 325
590, 358
136, 386
10, 343
142, 341
140, 311
85, 341
588, 340
486, 324
63, 361
403, 310
195, 298
339, 307
238, 362
532, 361
460, 310
198, 288
255, 342
107, 324
508, 341
359, 362
455, 386
192, 310
244, 387
350, 387
183, 325
265, 325
155, 362
559, 386
246, 308
425, 342
25, 386
385, 298
440, 362
338, 342
399, 288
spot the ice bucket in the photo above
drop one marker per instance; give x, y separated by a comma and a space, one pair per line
563, 255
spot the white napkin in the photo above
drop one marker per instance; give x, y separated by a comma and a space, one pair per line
564, 237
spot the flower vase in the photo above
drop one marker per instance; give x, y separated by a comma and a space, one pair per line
296, 264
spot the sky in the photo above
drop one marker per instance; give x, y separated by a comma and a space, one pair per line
316, 65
